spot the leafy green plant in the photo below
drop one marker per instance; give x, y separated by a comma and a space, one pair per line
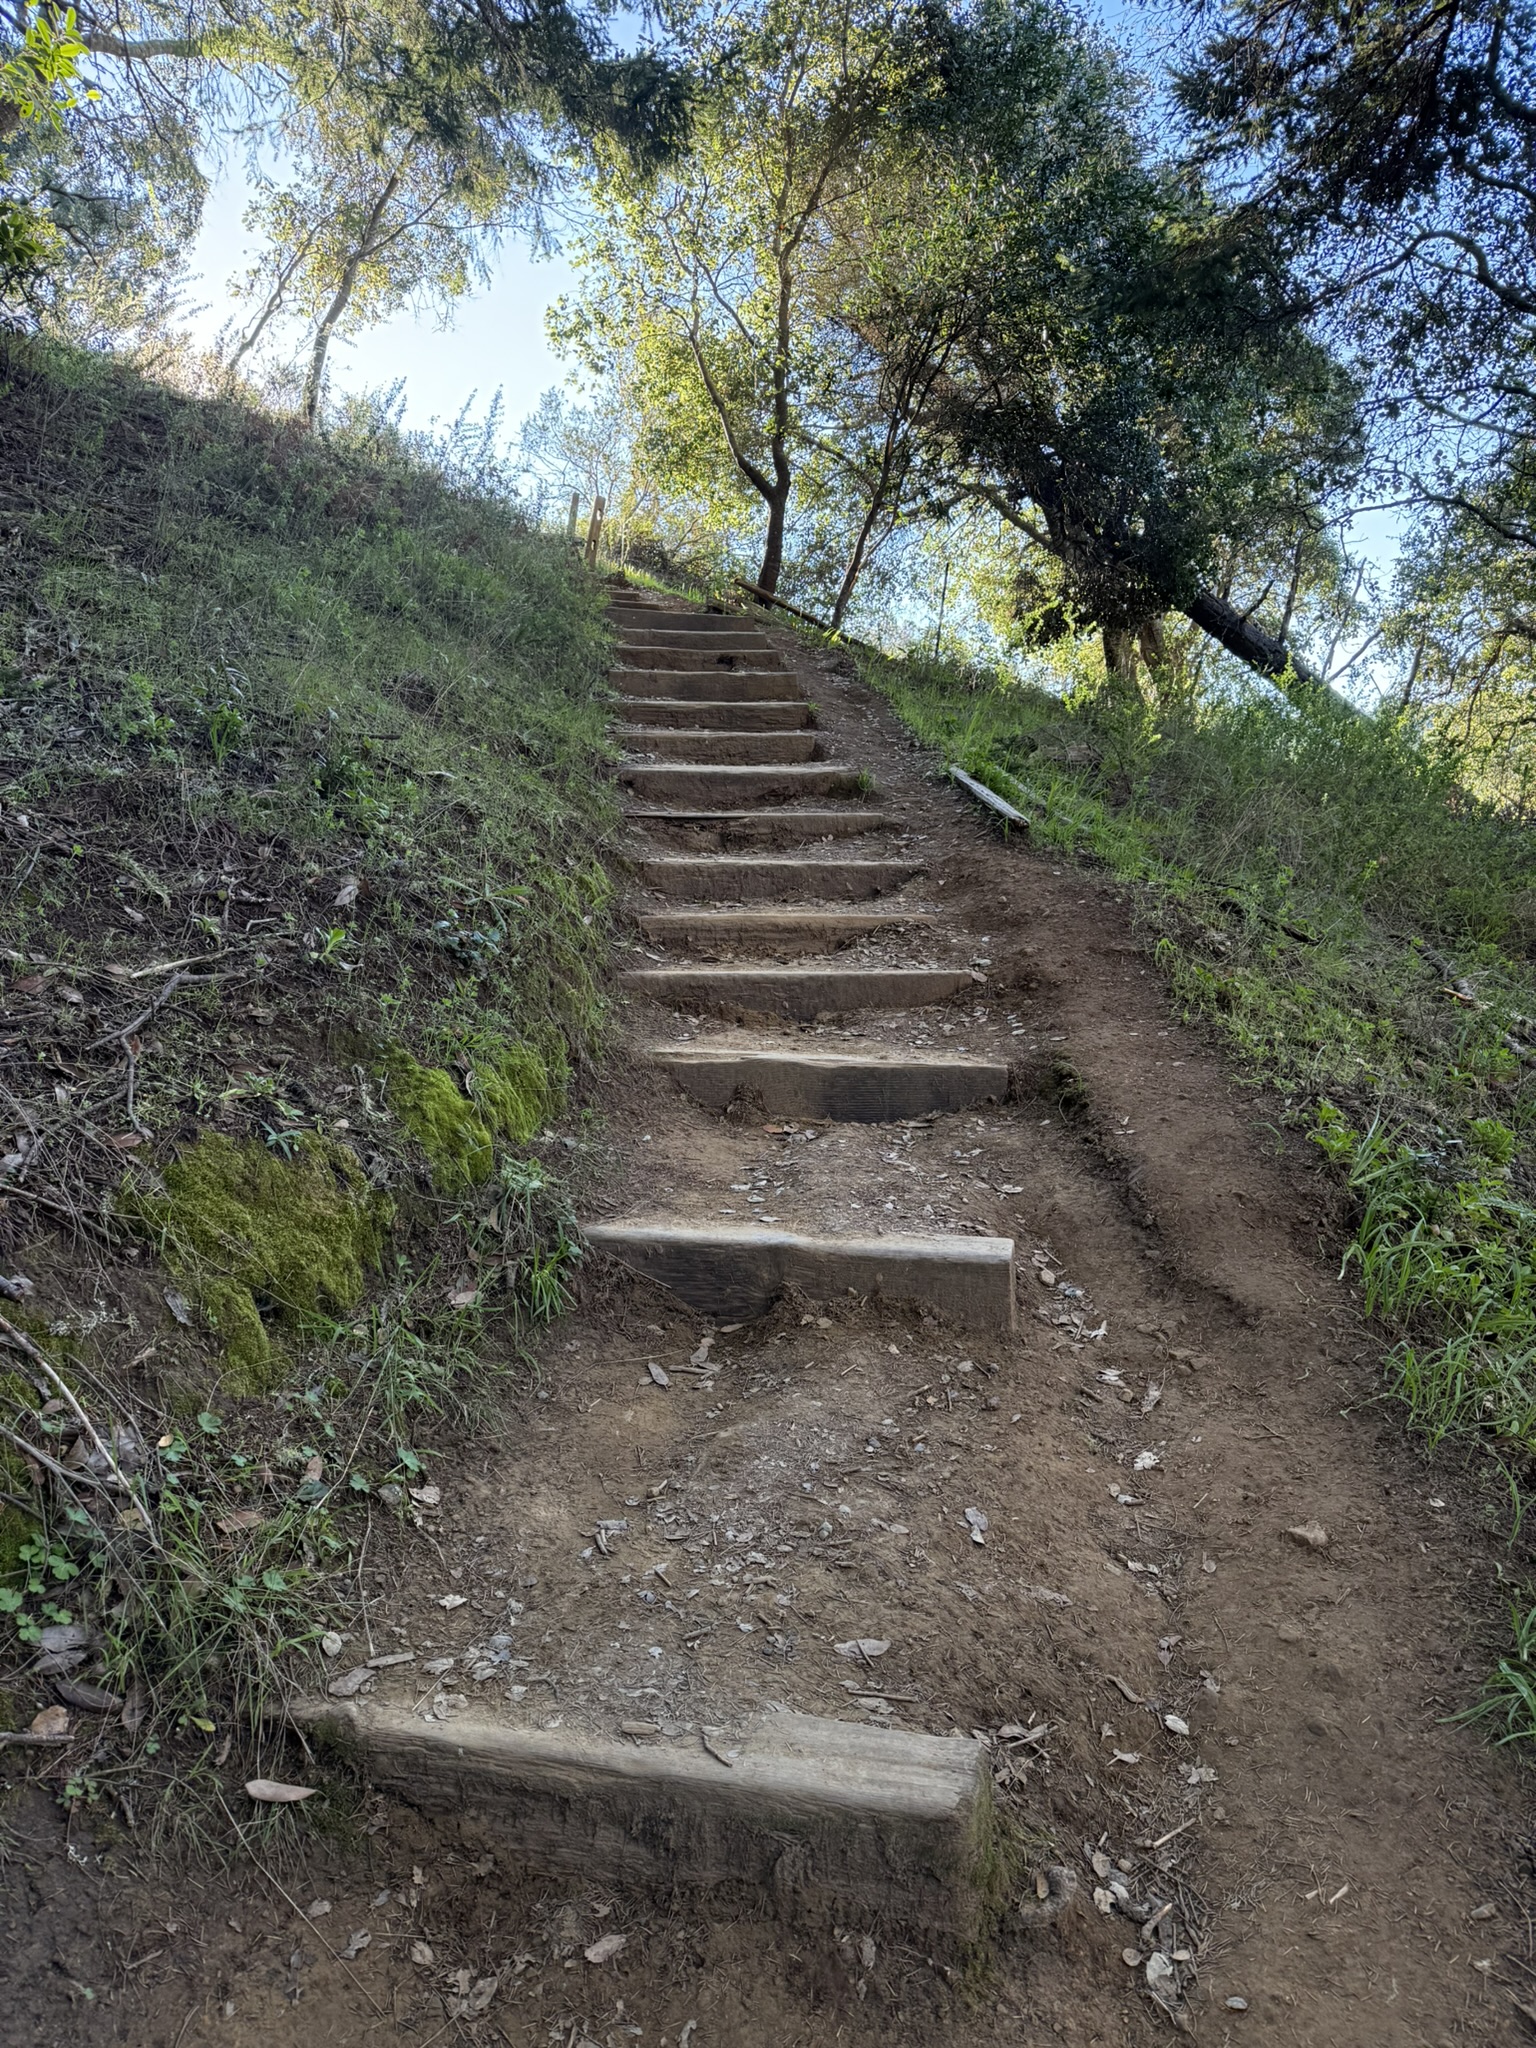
1507, 1702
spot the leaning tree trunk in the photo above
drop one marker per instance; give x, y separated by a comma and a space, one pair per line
773, 543
368, 244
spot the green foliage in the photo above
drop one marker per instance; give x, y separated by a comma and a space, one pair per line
37, 89
1508, 1700
252, 1232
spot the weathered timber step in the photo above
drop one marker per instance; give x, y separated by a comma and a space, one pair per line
804, 993
783, 714
717, 686
728, 1270
785, 930
727, 829
815, 1815
705, 624
685, 783
758, 881
701, 661
663, 649
705, 632
743, 748
852, 1088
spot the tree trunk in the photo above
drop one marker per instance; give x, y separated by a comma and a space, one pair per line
268, 312
1120, 663
773, 542
342, 296
1262, 651
860, 551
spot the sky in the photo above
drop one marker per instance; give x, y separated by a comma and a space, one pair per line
495, 339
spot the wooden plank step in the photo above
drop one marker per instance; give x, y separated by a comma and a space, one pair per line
678, 630
818, 1816
646, 618
681, 782
742, 748
784, 929
755, 881
778, 827
782, 714
804, 993
737, 1271
687, 650
854, 1088
708, 684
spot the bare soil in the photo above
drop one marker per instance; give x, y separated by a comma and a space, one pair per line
1189, 1381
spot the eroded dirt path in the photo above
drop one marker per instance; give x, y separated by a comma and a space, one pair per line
1187, 1382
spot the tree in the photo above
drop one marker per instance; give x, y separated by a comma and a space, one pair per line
1125, 384
1393, 147
445, 116
715, 273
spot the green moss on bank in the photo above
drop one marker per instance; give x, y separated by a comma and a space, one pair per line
258, 1237
505, 1094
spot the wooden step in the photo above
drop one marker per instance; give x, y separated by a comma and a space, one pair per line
782, 930
740, 748
790, 826
707, 631
693, 654
804, 993
756, 881
819, 1817
854, 1088
702, 625
717, 715
681, 782
708, 684
741, 1270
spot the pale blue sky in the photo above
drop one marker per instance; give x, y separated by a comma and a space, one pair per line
496, 337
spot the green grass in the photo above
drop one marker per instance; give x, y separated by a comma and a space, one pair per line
1361, 933
304, 802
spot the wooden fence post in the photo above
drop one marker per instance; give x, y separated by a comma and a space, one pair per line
594, 532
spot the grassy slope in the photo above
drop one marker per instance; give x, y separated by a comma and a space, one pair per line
1363, 936
302, 805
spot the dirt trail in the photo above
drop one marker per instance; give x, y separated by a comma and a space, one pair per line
1187, 1382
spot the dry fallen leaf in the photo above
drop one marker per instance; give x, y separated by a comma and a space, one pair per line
135, 1707
87, 1699
346, 895
350, 1682
270, 1792
657, 1374
605, 1948
862, 1646
51, 1721
1310, 1535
